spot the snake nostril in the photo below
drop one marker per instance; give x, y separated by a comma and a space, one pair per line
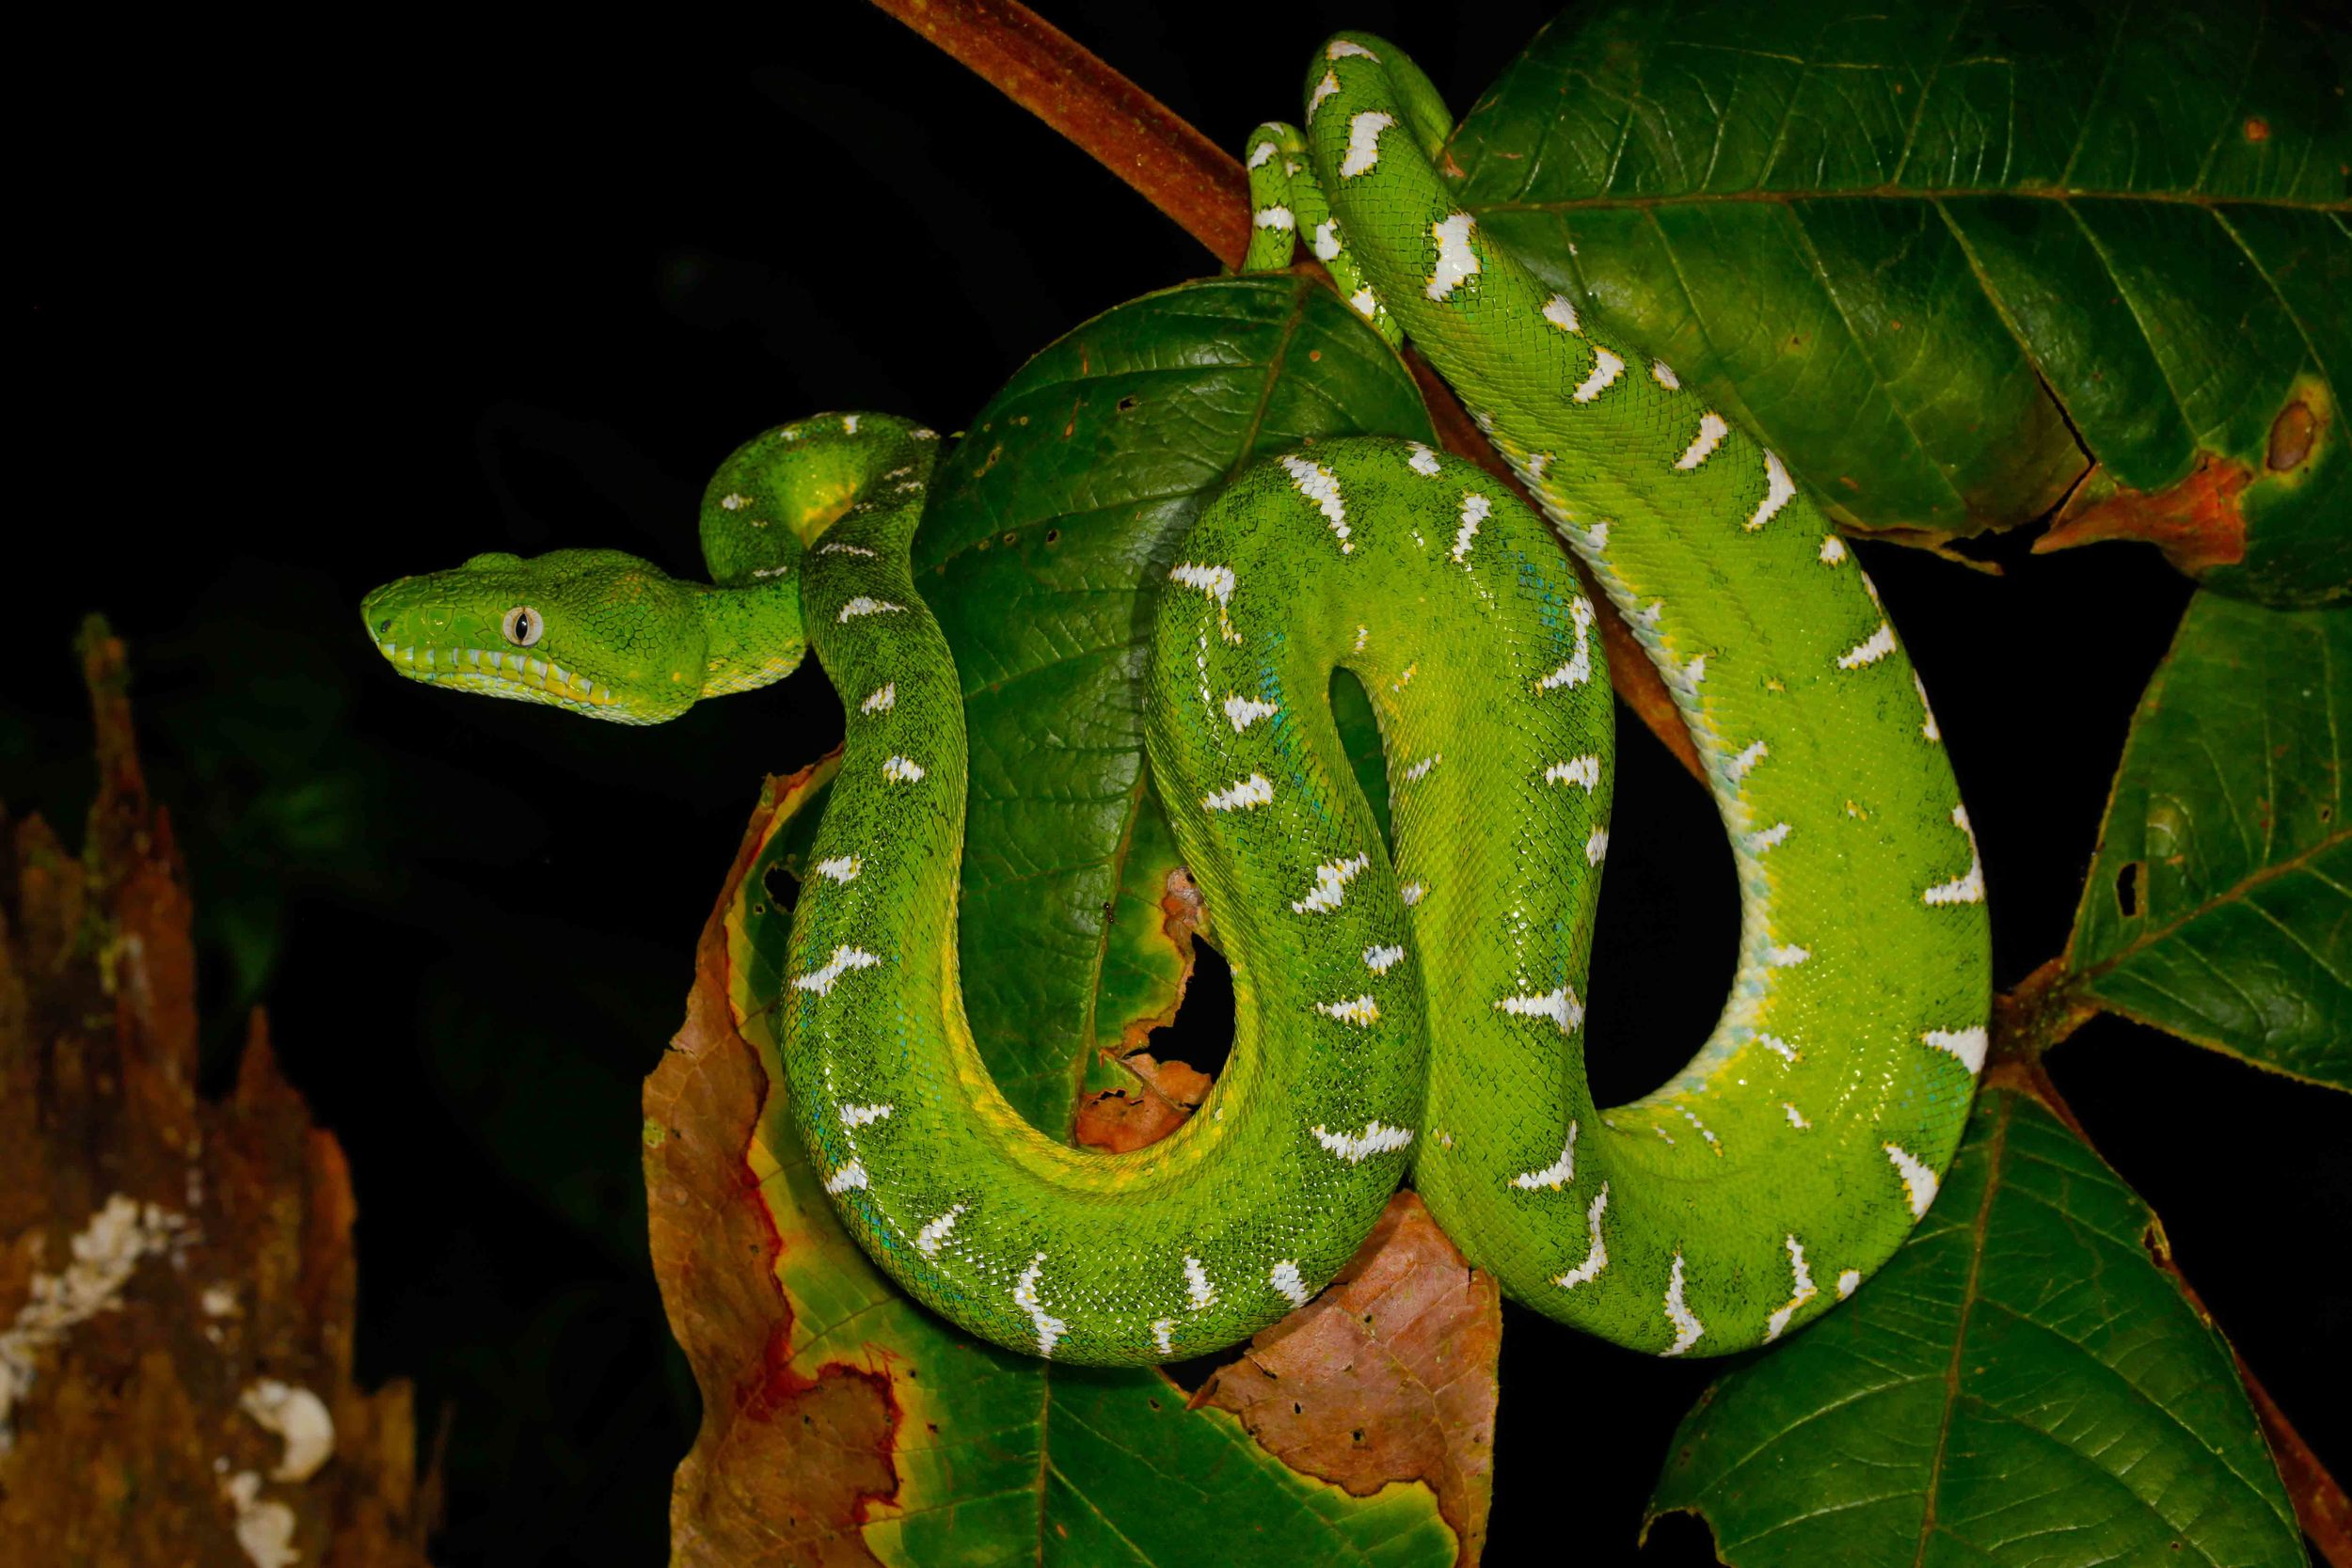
384, 627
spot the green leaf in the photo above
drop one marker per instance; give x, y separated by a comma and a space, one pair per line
1050, 524
1000, 1458
2021, 1384
1921, 249
2219, 904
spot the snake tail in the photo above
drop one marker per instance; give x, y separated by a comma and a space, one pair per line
1798, 1148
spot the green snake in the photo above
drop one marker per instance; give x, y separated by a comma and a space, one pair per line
1415, 1013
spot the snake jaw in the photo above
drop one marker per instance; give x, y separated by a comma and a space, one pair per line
597, 632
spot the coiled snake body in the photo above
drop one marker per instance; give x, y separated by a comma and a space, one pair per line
1417, 1012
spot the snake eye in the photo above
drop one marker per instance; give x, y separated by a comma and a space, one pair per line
523, 625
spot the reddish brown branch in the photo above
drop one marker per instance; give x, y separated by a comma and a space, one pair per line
1202, 187
1125, 129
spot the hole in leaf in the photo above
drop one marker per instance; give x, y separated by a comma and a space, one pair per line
783, 889
2127, 889
1053, 537
1128, 402
1201, 1036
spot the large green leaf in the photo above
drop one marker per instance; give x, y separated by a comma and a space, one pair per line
2219, 907
1921, 248
1049, 525
997, 1458
2022, 1385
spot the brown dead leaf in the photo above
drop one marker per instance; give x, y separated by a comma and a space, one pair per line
177, 1282
2196, 523
1387, 1375
1166, 1093
784, 1465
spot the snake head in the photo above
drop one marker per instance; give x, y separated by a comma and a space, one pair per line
598, 632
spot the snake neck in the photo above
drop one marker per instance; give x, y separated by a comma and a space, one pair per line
751, 636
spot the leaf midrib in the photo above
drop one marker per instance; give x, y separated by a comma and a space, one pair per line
1884, 192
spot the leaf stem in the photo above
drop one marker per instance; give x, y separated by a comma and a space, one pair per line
1204, 189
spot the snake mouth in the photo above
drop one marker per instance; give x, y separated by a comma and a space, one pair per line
503, 673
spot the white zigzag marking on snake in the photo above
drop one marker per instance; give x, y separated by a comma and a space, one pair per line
1596, 1253
1687, 1326
1558, 1174
1919, 1180
1798, 1297
1355, 1148
1049, 1328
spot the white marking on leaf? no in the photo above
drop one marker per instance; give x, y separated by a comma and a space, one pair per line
1326, 241
1456, 260
881, 700
1560, 1006
854, 1117
1362, 1011
1356, 1148
844, 960
1341, 48
1918, 1180
1320, 486
1423, 461
1275, 217
1553, 1176
1474, 510
1380, 960
1785, 958
1869, 650
1848, 1283
1779, 490
1420, 770
1363, 142
1595, 846
1779, 1047
1968, 1044
849, 1177
1367, 304
1260, 155
1332, 881
1583, 770
1927, 723
1691, 1117
834, 548
1968, 888
735, 502
1284, 1277
1687, 1326
1255, 790
1579, 669
902, 771
1197, 1286
1738, 766
1049, 1328
841, 868
1833, 549
1663, 374
1325, 88
1606, 367
1711, 434
1161, 1330
1561, 311
1768, 838
1411, 893
1804, 1293
1246, 711
1796, 1118
1596, 1255
862, 605
929, 1240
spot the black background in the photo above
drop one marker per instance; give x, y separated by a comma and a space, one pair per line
306, 313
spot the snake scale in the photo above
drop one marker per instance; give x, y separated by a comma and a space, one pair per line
1416, 1013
